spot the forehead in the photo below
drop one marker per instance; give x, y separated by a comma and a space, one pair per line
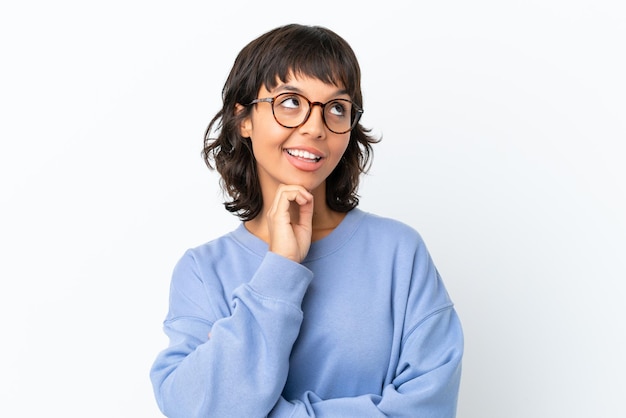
302, 83
291, 75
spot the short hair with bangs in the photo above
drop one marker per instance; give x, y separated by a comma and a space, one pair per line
311, 51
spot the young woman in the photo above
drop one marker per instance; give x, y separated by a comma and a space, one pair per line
311, 307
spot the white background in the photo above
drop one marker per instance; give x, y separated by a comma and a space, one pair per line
503, 130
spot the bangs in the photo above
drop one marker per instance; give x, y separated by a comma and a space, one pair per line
311, 52
322, 66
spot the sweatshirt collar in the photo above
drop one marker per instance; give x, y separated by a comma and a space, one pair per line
321, 248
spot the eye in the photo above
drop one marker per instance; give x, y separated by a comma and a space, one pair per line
289, 101
339, 108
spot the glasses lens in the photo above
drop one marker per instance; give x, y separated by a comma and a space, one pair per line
290, 109
338, 115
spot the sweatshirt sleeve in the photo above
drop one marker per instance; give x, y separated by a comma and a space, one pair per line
426, 370
426, 384
201, 372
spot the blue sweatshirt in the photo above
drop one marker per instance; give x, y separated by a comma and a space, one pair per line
363, 327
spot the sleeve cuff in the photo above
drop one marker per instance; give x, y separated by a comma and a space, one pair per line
281, 279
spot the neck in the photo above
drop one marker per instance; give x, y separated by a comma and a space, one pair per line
325, 220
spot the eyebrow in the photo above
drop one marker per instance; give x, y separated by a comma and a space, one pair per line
289, 87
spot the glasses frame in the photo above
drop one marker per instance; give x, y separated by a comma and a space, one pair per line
356, 110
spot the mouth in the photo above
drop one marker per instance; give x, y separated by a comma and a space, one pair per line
303, 155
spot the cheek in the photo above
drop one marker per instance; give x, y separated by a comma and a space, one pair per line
343, 147
338, 151
268, 133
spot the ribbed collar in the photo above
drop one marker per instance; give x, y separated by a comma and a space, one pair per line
319, 249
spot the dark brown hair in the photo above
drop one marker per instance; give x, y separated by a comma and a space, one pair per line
311, 51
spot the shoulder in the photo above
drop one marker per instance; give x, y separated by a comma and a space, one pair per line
236, 243
210, 249
414, 273
217, 254
213, 270
389, 229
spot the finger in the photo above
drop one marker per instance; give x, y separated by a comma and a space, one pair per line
306, 213
293, 187
287, 194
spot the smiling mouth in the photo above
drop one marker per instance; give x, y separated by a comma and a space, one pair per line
303, 155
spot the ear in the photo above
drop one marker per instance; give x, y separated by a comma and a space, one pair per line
245, 127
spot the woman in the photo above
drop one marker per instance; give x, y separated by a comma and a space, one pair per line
311, 307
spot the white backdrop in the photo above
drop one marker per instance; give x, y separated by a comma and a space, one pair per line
503, 130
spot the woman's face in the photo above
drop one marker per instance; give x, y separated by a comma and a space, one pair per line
305, 155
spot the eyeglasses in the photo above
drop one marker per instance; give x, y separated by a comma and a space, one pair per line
292, 110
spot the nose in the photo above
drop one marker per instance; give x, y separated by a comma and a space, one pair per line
314, 125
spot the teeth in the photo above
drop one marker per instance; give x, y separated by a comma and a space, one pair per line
303, 154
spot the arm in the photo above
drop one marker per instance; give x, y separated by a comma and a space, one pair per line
424, 371
238, 365
241, 368
426, 382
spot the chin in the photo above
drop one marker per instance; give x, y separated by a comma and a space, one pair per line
311, 186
